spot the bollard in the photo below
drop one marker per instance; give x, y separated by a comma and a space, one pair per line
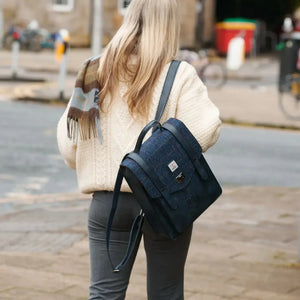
62, 73
61, 47
15, 48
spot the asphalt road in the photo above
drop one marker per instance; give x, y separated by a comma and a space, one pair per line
256, 157
30, 162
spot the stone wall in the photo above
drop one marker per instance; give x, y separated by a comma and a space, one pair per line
188, 23
113, 20
21, 12
79, 21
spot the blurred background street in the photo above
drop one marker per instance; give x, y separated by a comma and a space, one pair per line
31, 164
249, 108
247, 245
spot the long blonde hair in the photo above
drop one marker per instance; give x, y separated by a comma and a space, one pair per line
150, 31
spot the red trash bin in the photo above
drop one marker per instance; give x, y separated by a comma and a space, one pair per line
225, 31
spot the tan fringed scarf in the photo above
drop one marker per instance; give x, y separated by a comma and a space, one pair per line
83, 115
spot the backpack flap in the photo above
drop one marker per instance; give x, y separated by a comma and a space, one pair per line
167, 160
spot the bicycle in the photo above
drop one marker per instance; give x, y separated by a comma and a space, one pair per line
31, 40
211, 72
289, 96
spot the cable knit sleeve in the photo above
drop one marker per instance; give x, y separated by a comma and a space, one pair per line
196, 110
66, 147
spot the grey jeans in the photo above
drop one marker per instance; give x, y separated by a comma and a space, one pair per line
165, 258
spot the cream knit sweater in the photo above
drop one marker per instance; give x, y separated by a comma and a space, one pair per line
97, 164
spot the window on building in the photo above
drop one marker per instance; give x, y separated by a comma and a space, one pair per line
123, 6
63, 5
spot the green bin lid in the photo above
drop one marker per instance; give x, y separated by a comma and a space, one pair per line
240, 20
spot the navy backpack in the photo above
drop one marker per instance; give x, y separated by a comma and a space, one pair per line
168, 176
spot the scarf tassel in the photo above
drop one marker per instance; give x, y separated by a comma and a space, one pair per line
86, 128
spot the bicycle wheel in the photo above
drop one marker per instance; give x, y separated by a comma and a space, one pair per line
289, 102
35, 44
7, 41
214, 75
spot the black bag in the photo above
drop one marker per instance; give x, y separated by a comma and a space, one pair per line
168, 176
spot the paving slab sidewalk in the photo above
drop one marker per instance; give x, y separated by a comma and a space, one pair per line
254, 106
245, 247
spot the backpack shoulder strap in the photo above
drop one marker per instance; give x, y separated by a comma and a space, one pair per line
135, 233
167, 88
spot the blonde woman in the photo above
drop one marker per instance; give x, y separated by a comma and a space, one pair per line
99, 128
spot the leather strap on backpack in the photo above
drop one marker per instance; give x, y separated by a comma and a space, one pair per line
167, 89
